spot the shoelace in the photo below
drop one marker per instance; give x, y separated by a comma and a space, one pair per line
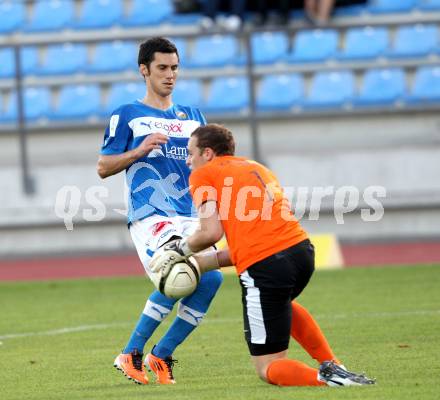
170, 364
137, 360
329, 369
332, 368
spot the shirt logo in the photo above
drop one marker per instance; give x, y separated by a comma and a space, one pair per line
160, 226
163, 190
146, 124
174, 152
177, 127
181, 115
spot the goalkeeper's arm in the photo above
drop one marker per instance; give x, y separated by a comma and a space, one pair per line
212, 259
210, 232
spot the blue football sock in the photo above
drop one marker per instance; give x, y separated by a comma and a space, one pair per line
176, 334
190, 314
156, 310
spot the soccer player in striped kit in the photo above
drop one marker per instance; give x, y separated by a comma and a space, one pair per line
148, 139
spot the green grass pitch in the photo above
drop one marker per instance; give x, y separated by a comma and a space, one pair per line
59, 339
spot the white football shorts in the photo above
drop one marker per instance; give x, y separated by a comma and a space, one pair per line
152, 232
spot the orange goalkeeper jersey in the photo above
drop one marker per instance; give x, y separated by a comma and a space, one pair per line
254, 213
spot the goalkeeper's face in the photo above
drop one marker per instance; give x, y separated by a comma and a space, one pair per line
162, 73
197, 157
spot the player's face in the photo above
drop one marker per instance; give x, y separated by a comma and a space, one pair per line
196, 156
162, 73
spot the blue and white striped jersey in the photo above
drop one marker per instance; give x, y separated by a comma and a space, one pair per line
157, 183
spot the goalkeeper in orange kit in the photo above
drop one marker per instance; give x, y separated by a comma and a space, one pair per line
273, 256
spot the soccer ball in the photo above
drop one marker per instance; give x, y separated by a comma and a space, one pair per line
181, 281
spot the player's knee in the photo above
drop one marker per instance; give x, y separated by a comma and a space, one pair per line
262, 364
210, 282
158, 298
205, 291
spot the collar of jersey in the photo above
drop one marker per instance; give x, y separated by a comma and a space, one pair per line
156, 109
218, 159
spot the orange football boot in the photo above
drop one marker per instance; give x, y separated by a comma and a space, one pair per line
163, 368
131, 366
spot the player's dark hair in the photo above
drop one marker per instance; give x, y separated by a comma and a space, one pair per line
216, 137
156, 44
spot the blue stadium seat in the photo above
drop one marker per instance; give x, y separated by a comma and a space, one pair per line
185, 19
349, 10
228, 95
65, 58
313, 46
429, 5
188, 92
365, 43
13, 16
426, 86
77, 102
331, 90
382, 87
415, 41
391, 6
280, 92
269, 47
214, 51
29, 60
148, 12
37, 103
98, 14
113, 57
10, 109
51, 15
7, 64
122, 93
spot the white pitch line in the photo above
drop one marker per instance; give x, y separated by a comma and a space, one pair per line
61, 331
85, 328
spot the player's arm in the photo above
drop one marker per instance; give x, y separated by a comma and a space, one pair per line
204, 261
109, 165
209, 233
210, 230
212, 259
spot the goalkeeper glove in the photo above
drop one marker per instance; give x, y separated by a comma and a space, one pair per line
171, 253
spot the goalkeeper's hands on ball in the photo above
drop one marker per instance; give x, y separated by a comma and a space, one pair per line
171, 253
177, 251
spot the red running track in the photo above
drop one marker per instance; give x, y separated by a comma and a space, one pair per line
129, 265
71, 268
391, 253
